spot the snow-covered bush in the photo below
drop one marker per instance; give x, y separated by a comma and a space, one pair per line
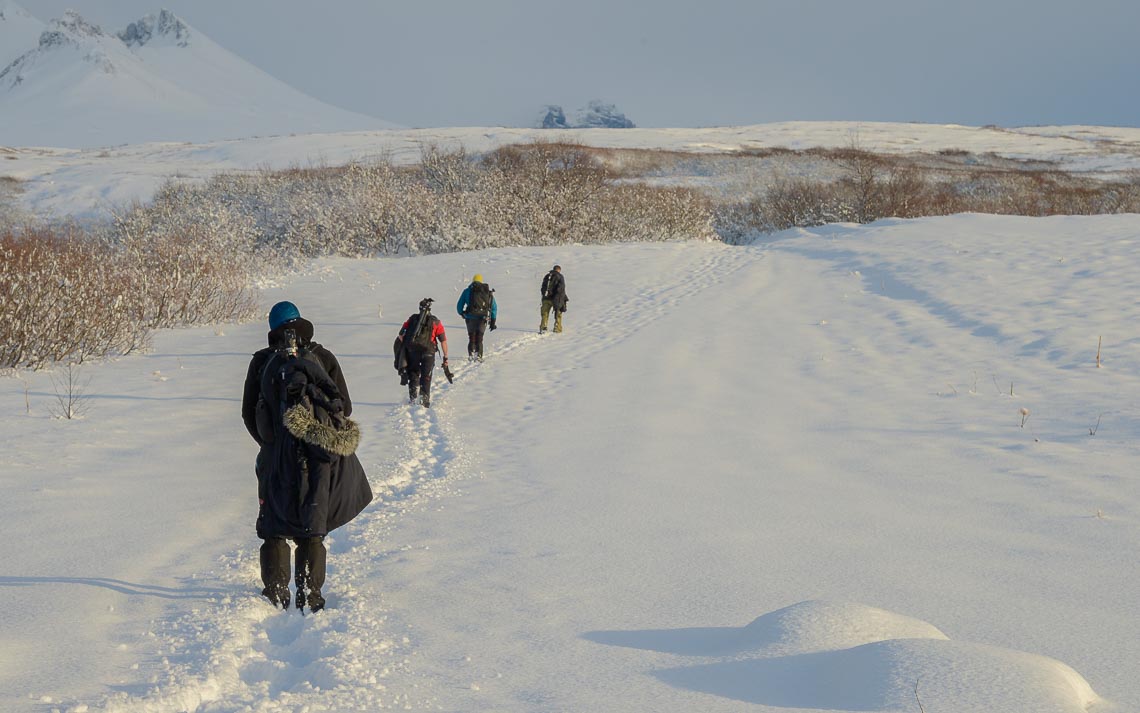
63, 296
533, 194
868, 187
68, 294
190, 262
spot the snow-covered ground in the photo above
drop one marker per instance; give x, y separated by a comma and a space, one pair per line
91, 182
849, 469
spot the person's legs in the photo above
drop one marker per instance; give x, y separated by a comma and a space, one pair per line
472, 336
427, 365
557, 320
544, 310
413, 382
275, 571
480, 330
414, 359
310, 572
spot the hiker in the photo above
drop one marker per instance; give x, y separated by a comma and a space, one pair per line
309, 480
478, 308
420, 337
553, 298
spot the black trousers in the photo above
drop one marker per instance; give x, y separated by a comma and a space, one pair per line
476, 328
309, 563
420, 366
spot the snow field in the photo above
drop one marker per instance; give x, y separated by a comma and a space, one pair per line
814, 435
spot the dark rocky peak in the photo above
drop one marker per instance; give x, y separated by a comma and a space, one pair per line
71, 28
166, 24
600, 115
553, 117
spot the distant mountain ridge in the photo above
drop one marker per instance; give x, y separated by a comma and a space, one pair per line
19, 31
159, 79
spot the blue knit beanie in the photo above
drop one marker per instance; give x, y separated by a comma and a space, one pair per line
281, 313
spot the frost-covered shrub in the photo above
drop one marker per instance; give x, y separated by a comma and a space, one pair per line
873, 187
63, 296
535, 194
71, 294
190, 262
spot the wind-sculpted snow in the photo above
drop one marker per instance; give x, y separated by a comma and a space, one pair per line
846, 656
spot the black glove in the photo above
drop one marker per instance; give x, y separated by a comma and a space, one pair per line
492, 324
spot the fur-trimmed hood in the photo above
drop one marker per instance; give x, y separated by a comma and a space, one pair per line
305, 427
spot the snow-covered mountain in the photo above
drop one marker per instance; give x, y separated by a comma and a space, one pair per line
19, 31
157, 80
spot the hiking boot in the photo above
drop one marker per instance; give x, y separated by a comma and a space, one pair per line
315, 601
426, 401
278, 595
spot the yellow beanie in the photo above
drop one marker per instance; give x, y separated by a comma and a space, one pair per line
477, 278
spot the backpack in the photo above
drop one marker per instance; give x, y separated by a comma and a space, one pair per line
307, 401
479, 305
419, 333
550, 285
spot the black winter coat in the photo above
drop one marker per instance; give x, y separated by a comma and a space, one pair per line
310, 481
554, 289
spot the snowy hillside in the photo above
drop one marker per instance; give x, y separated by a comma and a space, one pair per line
854, 468
91, 182
158, 80
19, 32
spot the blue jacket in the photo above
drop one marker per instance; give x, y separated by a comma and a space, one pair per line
465, 300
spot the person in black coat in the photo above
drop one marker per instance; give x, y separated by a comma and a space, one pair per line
553, 298
296, 405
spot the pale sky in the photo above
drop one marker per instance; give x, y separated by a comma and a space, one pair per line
671, 63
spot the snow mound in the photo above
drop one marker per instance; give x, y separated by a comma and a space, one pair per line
852, 657
813, 626
894, 675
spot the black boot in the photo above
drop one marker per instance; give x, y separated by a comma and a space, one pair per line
275, 571
310, 572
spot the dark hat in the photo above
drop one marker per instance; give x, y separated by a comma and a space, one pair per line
282, 313
558, 267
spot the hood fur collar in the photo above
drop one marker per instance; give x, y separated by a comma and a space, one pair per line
304, 426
